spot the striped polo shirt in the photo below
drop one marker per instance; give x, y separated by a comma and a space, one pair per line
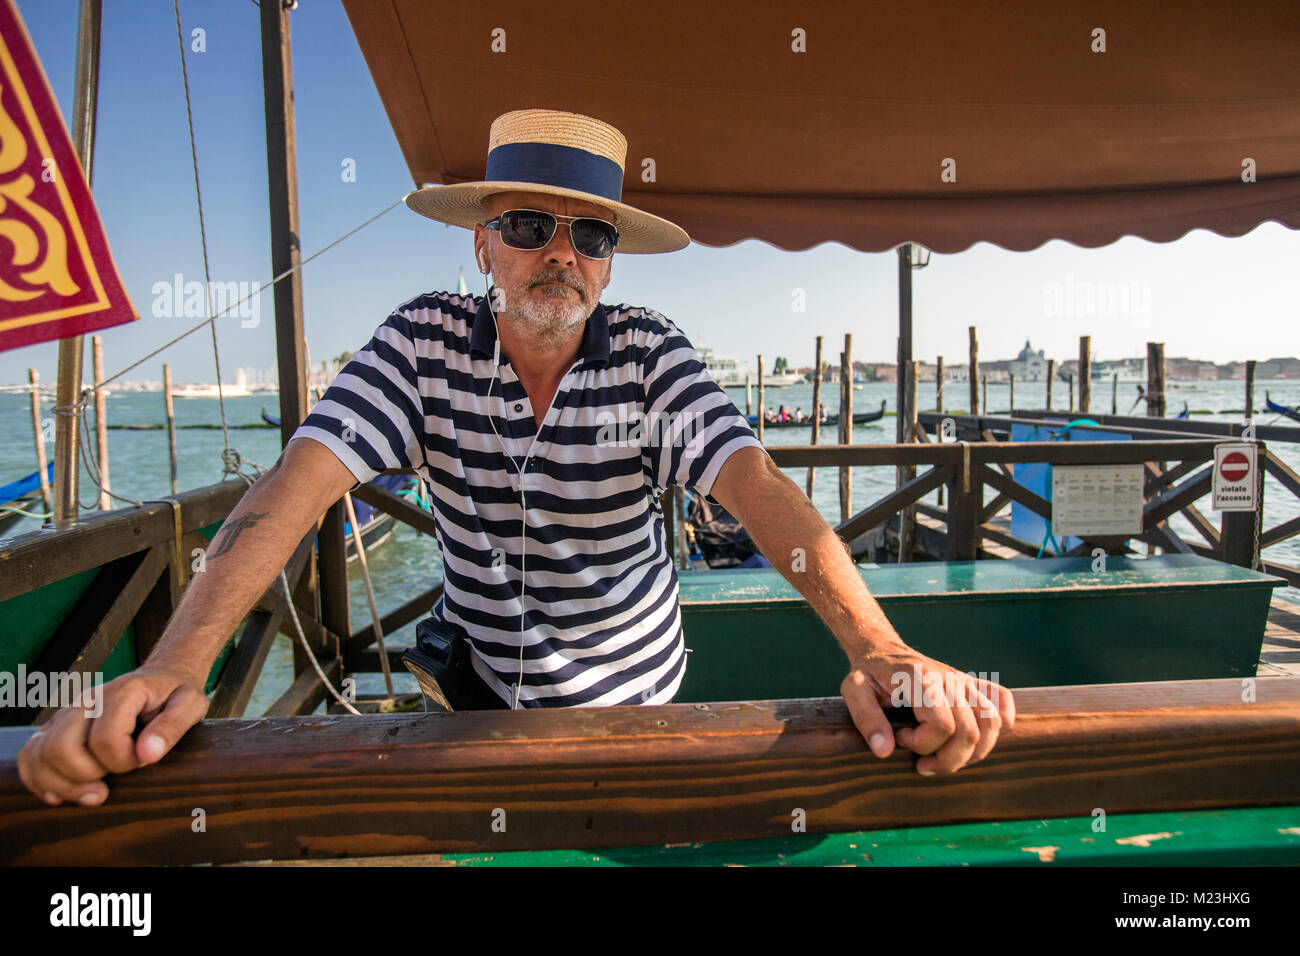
571, 509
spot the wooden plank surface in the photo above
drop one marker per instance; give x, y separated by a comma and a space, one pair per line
36, 558
1280, 654
293, 788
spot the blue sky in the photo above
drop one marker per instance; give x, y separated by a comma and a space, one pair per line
1204, 296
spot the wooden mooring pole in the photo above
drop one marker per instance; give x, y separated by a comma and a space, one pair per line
1114, 394
101, 420
904, 349
1069, 387
34, 379
1011, 394
762, 409
1250, 388
1156, 379
907, 517
984, 382
171, 422
846, 425
1051, 374
85, 103
1085, 374
323, 584
938, 386
974, 372
816, 414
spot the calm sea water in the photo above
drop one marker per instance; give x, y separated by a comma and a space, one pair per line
409, 562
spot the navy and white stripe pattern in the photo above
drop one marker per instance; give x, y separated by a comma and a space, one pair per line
636, 412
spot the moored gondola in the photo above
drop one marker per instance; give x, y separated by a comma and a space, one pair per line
1292, 413
864, 418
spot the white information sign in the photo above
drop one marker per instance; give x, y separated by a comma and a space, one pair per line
1235, 479
1089, 500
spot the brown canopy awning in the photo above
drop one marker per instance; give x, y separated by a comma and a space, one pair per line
847, 141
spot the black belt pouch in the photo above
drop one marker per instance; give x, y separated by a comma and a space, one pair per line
440, 661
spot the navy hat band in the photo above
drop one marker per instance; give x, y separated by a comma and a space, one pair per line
548, 164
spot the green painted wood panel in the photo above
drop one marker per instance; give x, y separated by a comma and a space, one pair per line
1032, 623
1251, 836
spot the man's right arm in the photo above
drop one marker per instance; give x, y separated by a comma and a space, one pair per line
71, 754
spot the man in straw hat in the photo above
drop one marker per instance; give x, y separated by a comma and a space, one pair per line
546, 426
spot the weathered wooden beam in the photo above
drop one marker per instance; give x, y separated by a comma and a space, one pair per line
90, 631
1157, 479
993, 507
390, 622
398, 507
298, 787
1284, 475
1015, 491
1196, 426
1288, 572
998, 536
1202, 525
1091, 453
306, 692
1162, 536
1281, 532
332, 580
367, 661
32, 560
893, 502
832, 456
1175, 499
998, 453
1137, 427
324, 642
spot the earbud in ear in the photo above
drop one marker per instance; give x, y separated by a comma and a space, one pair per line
482, 264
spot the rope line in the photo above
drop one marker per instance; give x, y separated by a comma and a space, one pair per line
228, 455
258, 291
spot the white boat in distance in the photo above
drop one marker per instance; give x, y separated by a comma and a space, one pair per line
228, 390
210, 391
729, 373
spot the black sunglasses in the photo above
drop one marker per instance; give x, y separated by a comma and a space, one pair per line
532, 229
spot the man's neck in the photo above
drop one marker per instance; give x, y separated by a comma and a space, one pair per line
536, 360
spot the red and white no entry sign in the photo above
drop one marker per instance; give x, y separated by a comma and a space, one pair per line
1235, 466
1235, 478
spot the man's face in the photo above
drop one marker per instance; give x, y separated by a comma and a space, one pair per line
549, 291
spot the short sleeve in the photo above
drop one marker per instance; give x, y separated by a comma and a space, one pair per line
691, 426
370, 416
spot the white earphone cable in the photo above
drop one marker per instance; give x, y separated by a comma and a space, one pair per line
523, 500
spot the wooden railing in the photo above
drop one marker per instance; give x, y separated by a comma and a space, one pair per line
140, 557
670, 773
142, 554
966, 468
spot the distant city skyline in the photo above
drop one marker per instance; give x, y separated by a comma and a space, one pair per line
1206, 297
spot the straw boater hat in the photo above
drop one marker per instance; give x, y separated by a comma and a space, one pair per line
562, 154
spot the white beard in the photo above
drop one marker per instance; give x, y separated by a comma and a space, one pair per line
552, 320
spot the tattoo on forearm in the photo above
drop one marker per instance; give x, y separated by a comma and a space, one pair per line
230, 532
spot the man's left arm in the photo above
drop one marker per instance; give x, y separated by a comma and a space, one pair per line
959, 717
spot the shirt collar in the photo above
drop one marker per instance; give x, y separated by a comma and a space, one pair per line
595, 336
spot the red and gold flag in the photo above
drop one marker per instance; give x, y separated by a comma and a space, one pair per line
57, 276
